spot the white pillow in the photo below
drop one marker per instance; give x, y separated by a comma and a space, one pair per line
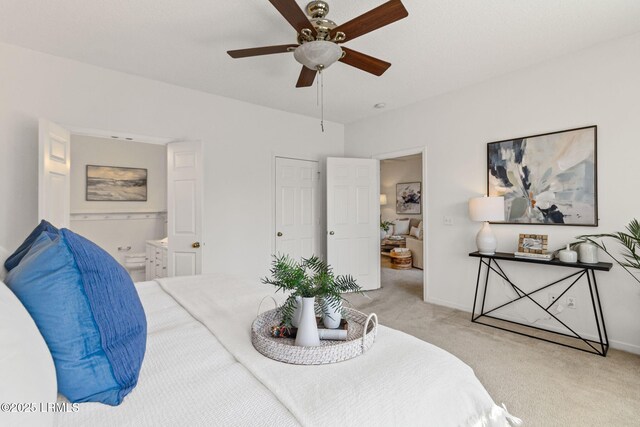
27, 373
415, 232
420, 227
401, 226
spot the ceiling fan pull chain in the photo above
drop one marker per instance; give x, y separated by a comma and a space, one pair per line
321, 82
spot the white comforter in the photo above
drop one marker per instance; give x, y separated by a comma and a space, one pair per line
187, 379
195, 376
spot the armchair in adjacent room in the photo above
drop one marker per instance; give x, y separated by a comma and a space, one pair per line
416, 247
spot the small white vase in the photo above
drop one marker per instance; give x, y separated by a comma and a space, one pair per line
332, 316
383, 234
297, 313
307, 335
568, 255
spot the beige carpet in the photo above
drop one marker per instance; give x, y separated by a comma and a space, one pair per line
542, 383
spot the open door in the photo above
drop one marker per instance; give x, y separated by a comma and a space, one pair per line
297, 207
54, 166
353, 210
184, 202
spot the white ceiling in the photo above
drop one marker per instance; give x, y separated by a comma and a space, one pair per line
443, 44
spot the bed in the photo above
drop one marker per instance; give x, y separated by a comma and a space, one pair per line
200, 368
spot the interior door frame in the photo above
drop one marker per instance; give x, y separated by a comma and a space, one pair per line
272, 200
425, 208
130, 137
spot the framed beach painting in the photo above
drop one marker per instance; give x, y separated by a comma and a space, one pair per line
408, 198
546, 179
116, 184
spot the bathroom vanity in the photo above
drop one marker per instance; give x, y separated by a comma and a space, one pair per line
156, 259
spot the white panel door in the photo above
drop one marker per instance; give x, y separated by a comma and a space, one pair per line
54, 165
353, 212
184, 208
297, 208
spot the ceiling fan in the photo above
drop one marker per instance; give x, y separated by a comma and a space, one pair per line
318, 38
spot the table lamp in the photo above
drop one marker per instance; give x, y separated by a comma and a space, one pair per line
485, 209
383, 199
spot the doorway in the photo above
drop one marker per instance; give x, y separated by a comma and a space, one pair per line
155, 181
118, 191
403, 222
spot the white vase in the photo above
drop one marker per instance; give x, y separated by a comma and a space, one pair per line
588, 253
568, 255
332, 315
307, 335
297, 313
383, 234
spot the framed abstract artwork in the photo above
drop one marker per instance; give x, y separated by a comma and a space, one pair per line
546, 179
408, 198
116, 184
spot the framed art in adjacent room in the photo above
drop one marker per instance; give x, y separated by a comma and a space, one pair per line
116, 184
546, 179
408, 198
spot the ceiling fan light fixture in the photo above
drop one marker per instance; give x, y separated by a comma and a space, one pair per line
317, 54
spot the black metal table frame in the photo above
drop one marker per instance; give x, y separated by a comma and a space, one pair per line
600, 347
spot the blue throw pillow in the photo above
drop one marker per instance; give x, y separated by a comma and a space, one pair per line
17, 256
88, 312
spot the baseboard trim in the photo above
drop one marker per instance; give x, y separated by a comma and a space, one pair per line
618, 345
445, 303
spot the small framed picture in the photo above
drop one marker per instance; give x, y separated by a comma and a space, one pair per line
533, 243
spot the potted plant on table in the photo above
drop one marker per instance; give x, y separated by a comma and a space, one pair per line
384, 228
631, 242
308, 280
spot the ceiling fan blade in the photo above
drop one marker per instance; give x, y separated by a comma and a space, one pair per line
364, 62
307, 76
257, 51
290, 10
385, 14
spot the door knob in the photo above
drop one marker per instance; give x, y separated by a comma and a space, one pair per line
279, 234
195, 245
331, 233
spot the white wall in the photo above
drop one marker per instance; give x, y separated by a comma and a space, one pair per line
392, 172
598, 86
88, 150
239, 140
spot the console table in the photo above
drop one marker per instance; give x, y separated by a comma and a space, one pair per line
570, 338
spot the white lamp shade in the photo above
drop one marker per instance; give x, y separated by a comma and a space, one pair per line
317, 53
383, 199
486, 209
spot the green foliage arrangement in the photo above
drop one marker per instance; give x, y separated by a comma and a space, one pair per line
385, 225
309, 278
630, 240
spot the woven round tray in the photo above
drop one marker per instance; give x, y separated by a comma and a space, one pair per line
360, 337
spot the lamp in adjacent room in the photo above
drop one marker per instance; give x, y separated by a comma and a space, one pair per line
383, 199
485, 209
